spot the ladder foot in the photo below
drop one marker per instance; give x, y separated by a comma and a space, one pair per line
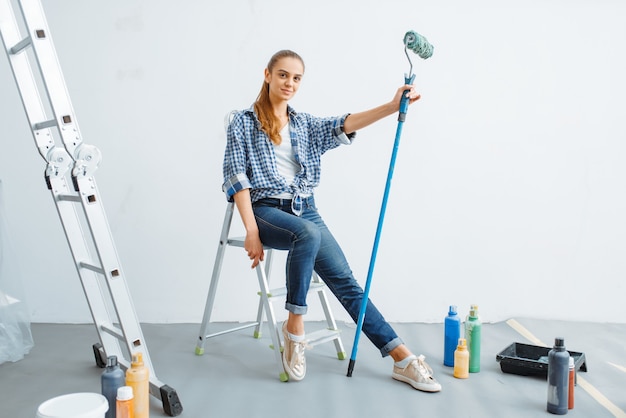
199, 351
342, 355
99, 355
171, 403
257, 335
284, 377
272, 347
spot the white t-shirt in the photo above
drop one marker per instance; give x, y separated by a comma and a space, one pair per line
286, 162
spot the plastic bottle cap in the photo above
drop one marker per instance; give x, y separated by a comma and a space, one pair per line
462, 343
452, 310
124, 393
559, 342
137, 360
111, 361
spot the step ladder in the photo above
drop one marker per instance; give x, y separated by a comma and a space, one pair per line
266, 296
69, 177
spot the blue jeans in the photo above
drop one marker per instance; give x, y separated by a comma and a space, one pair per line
311, 247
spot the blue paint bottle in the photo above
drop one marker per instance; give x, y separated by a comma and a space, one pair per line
452, 333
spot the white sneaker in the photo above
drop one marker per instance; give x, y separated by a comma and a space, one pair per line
417, 374
293, 356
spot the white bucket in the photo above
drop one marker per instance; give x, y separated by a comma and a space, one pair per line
75, 405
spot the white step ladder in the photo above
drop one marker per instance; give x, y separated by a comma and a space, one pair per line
69, 177
266, 296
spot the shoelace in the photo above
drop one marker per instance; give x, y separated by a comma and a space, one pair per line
423, 367
298, 351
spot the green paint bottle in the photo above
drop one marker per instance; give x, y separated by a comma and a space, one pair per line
473, 328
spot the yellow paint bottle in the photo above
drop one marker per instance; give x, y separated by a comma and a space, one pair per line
137, 378
461, 360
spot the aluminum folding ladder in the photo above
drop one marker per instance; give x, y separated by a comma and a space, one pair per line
69, 177
266, 296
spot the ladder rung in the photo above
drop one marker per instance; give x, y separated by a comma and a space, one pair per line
322, 336
47, 124
69, 197
91, 267
21, 45
112, 330
239, 242
228, 331
235, 242
115, 331
315, 286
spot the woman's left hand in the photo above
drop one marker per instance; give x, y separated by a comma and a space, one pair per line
411, 94
356, 121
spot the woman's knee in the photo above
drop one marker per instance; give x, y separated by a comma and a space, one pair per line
309, 234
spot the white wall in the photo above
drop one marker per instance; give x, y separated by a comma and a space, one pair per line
509, 184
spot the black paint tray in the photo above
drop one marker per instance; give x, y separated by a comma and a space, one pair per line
532, 360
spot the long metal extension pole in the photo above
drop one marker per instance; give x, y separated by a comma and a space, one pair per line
404, 106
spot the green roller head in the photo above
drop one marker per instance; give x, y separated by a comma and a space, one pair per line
418, 44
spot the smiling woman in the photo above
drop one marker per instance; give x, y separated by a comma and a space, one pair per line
271, 174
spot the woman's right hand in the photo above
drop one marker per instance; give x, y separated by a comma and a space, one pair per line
254, 248
252, 244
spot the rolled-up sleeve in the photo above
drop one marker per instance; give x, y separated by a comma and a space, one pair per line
235, 184
235, 160
338, 132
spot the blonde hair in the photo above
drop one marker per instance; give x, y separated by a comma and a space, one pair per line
263, 107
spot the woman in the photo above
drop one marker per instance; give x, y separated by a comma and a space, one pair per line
271, 167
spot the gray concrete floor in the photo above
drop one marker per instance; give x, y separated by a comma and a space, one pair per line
237, 376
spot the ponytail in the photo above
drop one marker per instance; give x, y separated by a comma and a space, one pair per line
263, 107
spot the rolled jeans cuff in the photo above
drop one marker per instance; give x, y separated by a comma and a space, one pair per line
387, 348
296, 309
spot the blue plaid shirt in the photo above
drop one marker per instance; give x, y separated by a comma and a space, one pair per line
250, 162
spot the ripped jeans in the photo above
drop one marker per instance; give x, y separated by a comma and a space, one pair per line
311, 247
